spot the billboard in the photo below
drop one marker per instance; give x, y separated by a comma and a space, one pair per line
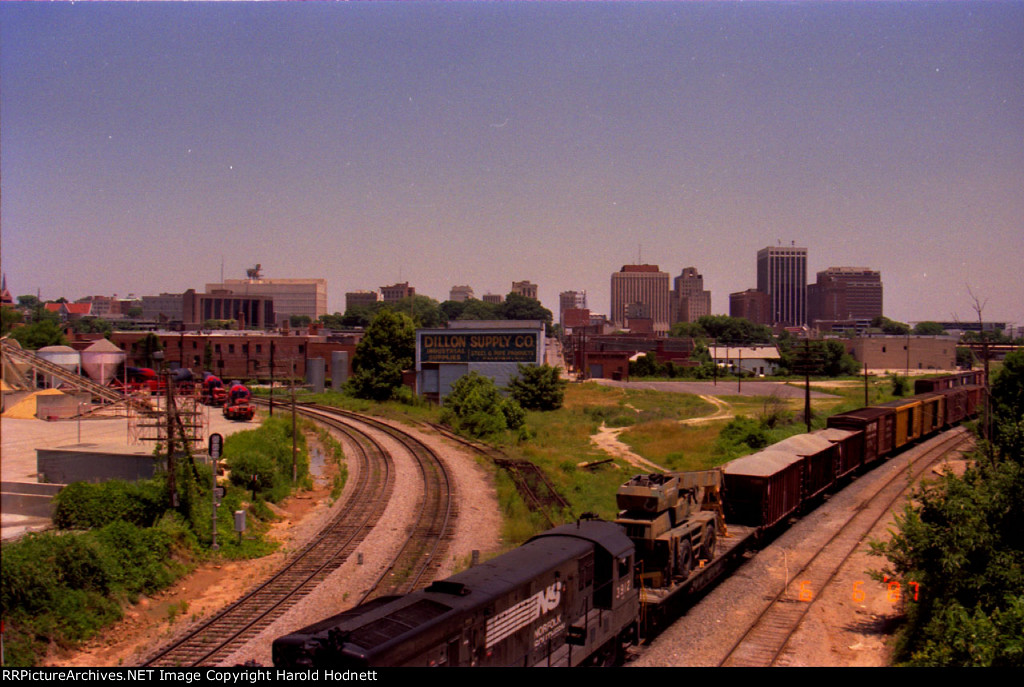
482, 347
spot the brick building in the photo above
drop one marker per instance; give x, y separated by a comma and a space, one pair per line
751, 305
845, 294
240, 354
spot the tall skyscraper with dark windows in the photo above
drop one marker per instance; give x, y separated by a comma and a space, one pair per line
782, 275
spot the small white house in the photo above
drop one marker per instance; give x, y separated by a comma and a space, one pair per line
760, 361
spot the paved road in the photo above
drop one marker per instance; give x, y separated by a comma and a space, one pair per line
723, 388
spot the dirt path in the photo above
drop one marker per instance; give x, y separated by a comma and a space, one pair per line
607, 438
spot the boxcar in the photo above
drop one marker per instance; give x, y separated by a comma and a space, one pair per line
906, 426
763, 489
875, 423
851, 448
563, 598
933, 414
956, 405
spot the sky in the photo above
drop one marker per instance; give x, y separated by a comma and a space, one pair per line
151, 147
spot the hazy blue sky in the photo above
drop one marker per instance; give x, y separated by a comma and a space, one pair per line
482, 143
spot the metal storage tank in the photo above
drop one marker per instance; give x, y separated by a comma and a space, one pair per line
65, 356
101, 360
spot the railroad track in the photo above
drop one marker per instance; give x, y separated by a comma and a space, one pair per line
531, 483
226, 632
767, 641
422, 553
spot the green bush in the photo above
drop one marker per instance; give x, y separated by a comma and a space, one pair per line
475, 406
83, 506
538, 387
267, 453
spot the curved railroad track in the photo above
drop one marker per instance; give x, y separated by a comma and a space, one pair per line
227, 631
423, 551
766, 641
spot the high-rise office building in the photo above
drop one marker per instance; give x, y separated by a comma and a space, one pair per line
640, 289
689, 300
782, 275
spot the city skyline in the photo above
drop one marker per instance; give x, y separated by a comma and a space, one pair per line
484, 143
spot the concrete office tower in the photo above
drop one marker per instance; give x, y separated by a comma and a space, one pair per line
290, 296
782, 275
641, 288
689, 300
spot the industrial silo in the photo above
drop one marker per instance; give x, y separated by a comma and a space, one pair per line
64, 356
101, 360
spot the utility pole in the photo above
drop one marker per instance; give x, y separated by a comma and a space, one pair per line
295, 459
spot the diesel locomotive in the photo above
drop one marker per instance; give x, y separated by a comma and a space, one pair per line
564, 598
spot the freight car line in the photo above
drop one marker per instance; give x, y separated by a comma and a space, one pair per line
766, 641
228, 630
420, 557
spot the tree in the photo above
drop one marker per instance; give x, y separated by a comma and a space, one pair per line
361, 315
538, 387
92, 325
890, 326
480, 310
332, 321
424, 311
29, 301
928, 329
387, 348
1008, 406
519, 307
961, 543
734, 330
8, 318
476, 407
149, 345
691, 330
40, 334
299, 321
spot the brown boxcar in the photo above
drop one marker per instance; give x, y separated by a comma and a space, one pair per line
851, 448
875, 423
956, 405
763, 489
